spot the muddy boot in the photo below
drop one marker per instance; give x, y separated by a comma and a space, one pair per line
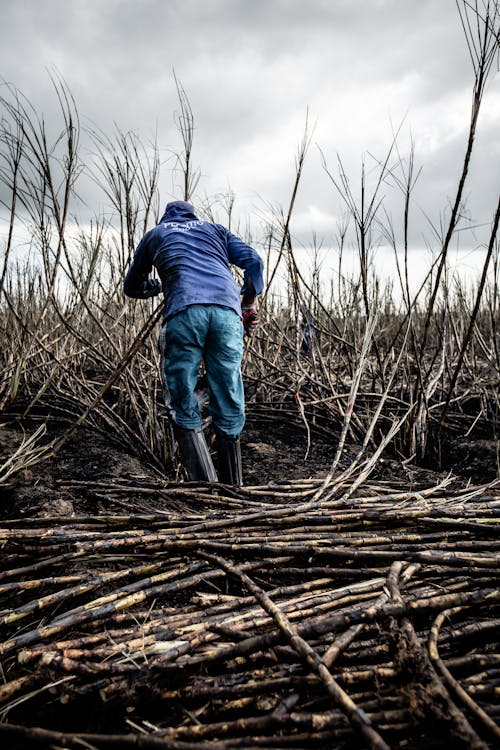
194, 455
229, 459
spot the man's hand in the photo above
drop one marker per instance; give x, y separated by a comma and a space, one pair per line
250, 318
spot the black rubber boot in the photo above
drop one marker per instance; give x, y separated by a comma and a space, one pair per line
229, 459
194, 455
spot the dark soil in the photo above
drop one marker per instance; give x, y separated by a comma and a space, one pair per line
272, 451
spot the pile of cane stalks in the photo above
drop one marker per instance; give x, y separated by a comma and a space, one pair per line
299, 614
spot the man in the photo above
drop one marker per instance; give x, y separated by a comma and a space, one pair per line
204, 320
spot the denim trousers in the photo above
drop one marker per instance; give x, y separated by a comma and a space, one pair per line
214, 335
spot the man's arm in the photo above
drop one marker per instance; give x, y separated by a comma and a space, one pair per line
137, 283
245, 257
248, 259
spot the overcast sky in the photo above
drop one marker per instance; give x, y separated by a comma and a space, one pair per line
251, 69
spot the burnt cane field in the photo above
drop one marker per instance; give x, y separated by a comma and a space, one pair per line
347, 596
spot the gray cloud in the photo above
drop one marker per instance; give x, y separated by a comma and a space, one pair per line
251, 70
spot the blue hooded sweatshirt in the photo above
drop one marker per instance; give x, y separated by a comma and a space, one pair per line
193, 260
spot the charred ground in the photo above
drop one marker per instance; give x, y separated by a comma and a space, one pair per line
273, 450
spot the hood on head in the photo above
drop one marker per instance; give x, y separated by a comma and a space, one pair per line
178, 211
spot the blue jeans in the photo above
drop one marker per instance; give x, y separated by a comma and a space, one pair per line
213, 334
